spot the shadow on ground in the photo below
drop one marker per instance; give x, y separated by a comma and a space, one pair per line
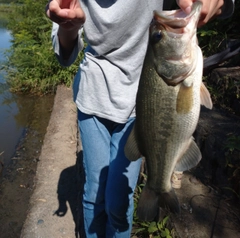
69, 190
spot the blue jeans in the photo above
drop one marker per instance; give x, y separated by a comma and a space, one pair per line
110, 177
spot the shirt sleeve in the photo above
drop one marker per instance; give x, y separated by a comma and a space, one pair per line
227, 9
57, 48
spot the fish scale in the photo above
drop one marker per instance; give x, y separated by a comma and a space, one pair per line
155, 123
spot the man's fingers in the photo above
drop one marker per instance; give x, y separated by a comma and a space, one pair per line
210, 10
55, 9
185, 5
76, 13
66, 13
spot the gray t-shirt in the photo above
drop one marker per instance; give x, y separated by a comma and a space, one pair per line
116, 32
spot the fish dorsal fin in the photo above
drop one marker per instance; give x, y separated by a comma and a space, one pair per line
131, 148
190, 158
205, 97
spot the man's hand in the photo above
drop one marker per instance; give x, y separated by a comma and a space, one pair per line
67, 13
70, 17
210, 9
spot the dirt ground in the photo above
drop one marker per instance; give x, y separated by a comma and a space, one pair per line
205, 212
16, 177
208, 197
55, 207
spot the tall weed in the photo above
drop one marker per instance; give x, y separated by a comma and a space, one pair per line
32, 65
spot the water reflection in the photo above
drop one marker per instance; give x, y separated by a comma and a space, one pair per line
10, 131
18, 112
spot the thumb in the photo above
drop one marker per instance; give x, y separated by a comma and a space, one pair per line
52, 7
185, 5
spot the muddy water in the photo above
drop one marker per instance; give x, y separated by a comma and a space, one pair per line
9, 130
23, 123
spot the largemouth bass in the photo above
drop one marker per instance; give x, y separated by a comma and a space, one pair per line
167, 107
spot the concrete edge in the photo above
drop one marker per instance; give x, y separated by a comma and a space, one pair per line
58, 157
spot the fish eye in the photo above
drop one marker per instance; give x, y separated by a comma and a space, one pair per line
156, 36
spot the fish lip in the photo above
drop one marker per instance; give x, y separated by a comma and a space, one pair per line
168, 19
175, 21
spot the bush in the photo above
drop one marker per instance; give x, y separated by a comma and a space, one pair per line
214, 36
32, 64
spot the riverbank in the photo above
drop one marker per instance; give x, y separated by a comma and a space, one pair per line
55, 206
53, 209
19, 169
5, 7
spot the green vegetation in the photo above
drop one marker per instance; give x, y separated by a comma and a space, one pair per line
3, 18
4, 8
33, 68
149, 229
232, 165
10, 1
160, 229
32, 65
4, 13
214, 35
233, 143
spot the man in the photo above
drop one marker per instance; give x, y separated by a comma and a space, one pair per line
116, 32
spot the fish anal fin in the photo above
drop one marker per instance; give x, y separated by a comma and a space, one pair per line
190, 158
131, 148
205, 97
184, 99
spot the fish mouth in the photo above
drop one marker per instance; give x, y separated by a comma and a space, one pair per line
170, 23
173, 38
177, 22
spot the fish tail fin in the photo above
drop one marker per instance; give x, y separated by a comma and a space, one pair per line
170, 201
147, 208
149, 203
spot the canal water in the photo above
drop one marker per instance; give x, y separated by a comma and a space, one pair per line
16, 111
23, 124
10, 128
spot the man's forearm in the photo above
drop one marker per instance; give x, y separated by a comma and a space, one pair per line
67, 40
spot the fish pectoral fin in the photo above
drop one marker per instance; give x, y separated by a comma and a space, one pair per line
184, 99
131, 148
147, 208
205, 97
190, 158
